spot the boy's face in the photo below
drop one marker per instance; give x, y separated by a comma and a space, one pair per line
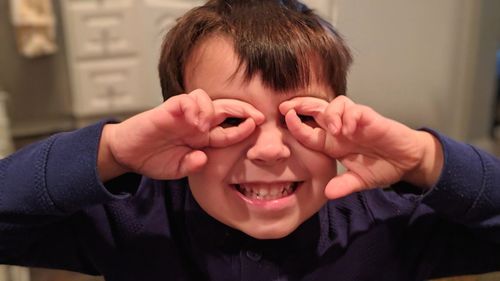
269, 183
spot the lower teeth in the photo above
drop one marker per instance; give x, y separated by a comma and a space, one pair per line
284, 193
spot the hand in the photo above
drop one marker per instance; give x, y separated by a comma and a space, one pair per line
166, 142
375, 150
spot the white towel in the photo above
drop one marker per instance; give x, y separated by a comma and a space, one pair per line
6, 145
34, 25
14, 273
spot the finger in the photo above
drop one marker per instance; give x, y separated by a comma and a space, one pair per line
184, 106
313, 138
221, 137
343, 185
350, 120
192, 162
309, 106
334, 113
303, 104
206, 109
357, 116
225, 108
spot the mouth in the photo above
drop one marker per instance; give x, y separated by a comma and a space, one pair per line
267, 191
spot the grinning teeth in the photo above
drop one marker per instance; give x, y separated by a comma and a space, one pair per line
274, 192
267, 191
263, 192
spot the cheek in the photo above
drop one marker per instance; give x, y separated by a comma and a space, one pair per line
210, 182
221, 161
320, 166
322, 170
324, 167
210, 187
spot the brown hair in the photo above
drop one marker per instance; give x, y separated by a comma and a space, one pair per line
277, 39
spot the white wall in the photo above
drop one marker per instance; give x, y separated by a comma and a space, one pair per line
418, 61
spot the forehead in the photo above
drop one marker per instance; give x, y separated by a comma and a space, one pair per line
214, 67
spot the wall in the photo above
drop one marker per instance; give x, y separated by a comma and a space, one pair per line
482, 105
425, 63
39, 100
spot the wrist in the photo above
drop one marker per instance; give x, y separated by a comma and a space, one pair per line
107, 165
428, 170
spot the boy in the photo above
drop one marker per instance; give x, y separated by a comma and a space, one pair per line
239, 168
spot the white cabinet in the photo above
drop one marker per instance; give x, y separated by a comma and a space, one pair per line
113, 49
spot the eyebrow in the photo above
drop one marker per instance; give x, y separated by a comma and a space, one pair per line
290, 95
314, 95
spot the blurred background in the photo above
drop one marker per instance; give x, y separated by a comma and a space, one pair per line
65, 64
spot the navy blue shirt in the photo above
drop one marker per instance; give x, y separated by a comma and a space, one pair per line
55, 213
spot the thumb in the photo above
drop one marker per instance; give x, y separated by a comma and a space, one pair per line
192, 162
343, 185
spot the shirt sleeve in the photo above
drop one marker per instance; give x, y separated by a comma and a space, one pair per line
468, 191
454, 228
41, 186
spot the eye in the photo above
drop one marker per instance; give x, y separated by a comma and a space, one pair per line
306, 118
309, 120
231, 122
282, 121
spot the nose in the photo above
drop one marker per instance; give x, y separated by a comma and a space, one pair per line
268, 146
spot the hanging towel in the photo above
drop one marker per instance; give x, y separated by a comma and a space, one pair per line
6, 145
14, 273
34, 26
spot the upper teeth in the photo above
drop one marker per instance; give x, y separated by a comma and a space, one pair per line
266, 191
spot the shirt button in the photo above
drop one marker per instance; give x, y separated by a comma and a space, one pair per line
254, 256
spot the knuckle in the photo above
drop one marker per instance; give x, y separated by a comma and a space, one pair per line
342, 98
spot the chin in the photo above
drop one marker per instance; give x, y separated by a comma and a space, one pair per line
265, 233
